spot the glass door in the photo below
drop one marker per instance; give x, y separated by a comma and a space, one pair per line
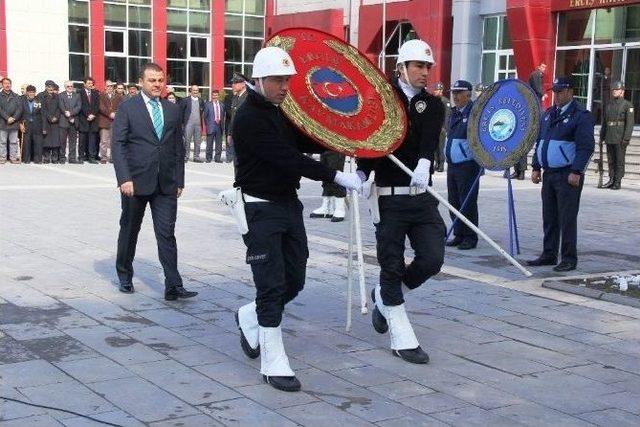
632, 80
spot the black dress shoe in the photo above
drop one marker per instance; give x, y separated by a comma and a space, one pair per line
541, 261
520, 176
616, 186
283, 383
565, 266
416, 355
176, 292
92, 161
197, 160
467, 244
126, 288
454, 242
251, 352
608, 184
377, 319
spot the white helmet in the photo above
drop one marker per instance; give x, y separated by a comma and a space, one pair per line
272, 61
415, 50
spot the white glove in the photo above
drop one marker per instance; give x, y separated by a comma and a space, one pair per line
350, 181
420, 177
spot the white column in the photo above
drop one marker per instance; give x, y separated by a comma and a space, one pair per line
466, 49
37, 42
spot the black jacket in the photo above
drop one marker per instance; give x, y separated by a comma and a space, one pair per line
32, 119
139, 156
269, 152
185, 107
421, 141
89, 106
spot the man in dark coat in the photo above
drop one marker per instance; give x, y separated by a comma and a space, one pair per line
239, 96
51, 124
616, 131
32, 127
69, 104
88, 121
10, 114
148, 157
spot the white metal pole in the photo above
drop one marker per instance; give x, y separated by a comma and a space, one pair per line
464, 219
356, 215
384, 36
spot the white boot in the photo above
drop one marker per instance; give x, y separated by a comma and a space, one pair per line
339, 211
248, 324
400, 330
324, 211
273, 359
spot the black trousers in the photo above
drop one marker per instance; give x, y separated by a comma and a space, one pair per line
277, 252
616, 159
460, 178
521, 166
417, 218
335, 161
214, 145
163, 212
88, 148
438, 156
70, 134
560, 204
32, 147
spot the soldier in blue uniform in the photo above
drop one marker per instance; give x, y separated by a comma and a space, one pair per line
564, 149
463, 169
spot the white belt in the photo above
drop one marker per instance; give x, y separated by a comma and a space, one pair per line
400, 191
251, 199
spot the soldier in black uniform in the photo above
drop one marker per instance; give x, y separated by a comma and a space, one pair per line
269, 165
616, 132
406, 208
439, 154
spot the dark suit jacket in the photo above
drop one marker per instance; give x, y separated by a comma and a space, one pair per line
139, 156
32, 119
209, 118
185, 106
89, 106
535, 81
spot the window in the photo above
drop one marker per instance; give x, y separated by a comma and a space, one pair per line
79, 64
402, 32
244, 35
188, 45
127, 38
498, 62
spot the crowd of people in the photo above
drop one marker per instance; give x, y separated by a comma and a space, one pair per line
74, 125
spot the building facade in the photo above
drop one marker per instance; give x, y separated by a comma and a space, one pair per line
199, 42
204, 41
595, 41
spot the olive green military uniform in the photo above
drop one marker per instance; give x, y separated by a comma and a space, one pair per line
616, 133
439, 154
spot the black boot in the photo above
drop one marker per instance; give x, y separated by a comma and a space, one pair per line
377, 319
283, 383
416, 355
616, 185
608, 184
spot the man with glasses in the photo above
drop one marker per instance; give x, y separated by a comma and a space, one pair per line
70, 104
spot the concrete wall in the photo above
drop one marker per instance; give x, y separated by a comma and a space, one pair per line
37, 41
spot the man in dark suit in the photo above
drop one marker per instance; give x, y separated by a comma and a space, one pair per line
148, 157
70, 104
88, 121
31, 127
214, 118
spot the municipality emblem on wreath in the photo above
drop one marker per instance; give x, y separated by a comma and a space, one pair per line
504, 124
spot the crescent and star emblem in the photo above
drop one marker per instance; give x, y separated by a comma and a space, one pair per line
334, 95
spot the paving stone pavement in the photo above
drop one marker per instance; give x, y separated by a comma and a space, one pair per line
504, 350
